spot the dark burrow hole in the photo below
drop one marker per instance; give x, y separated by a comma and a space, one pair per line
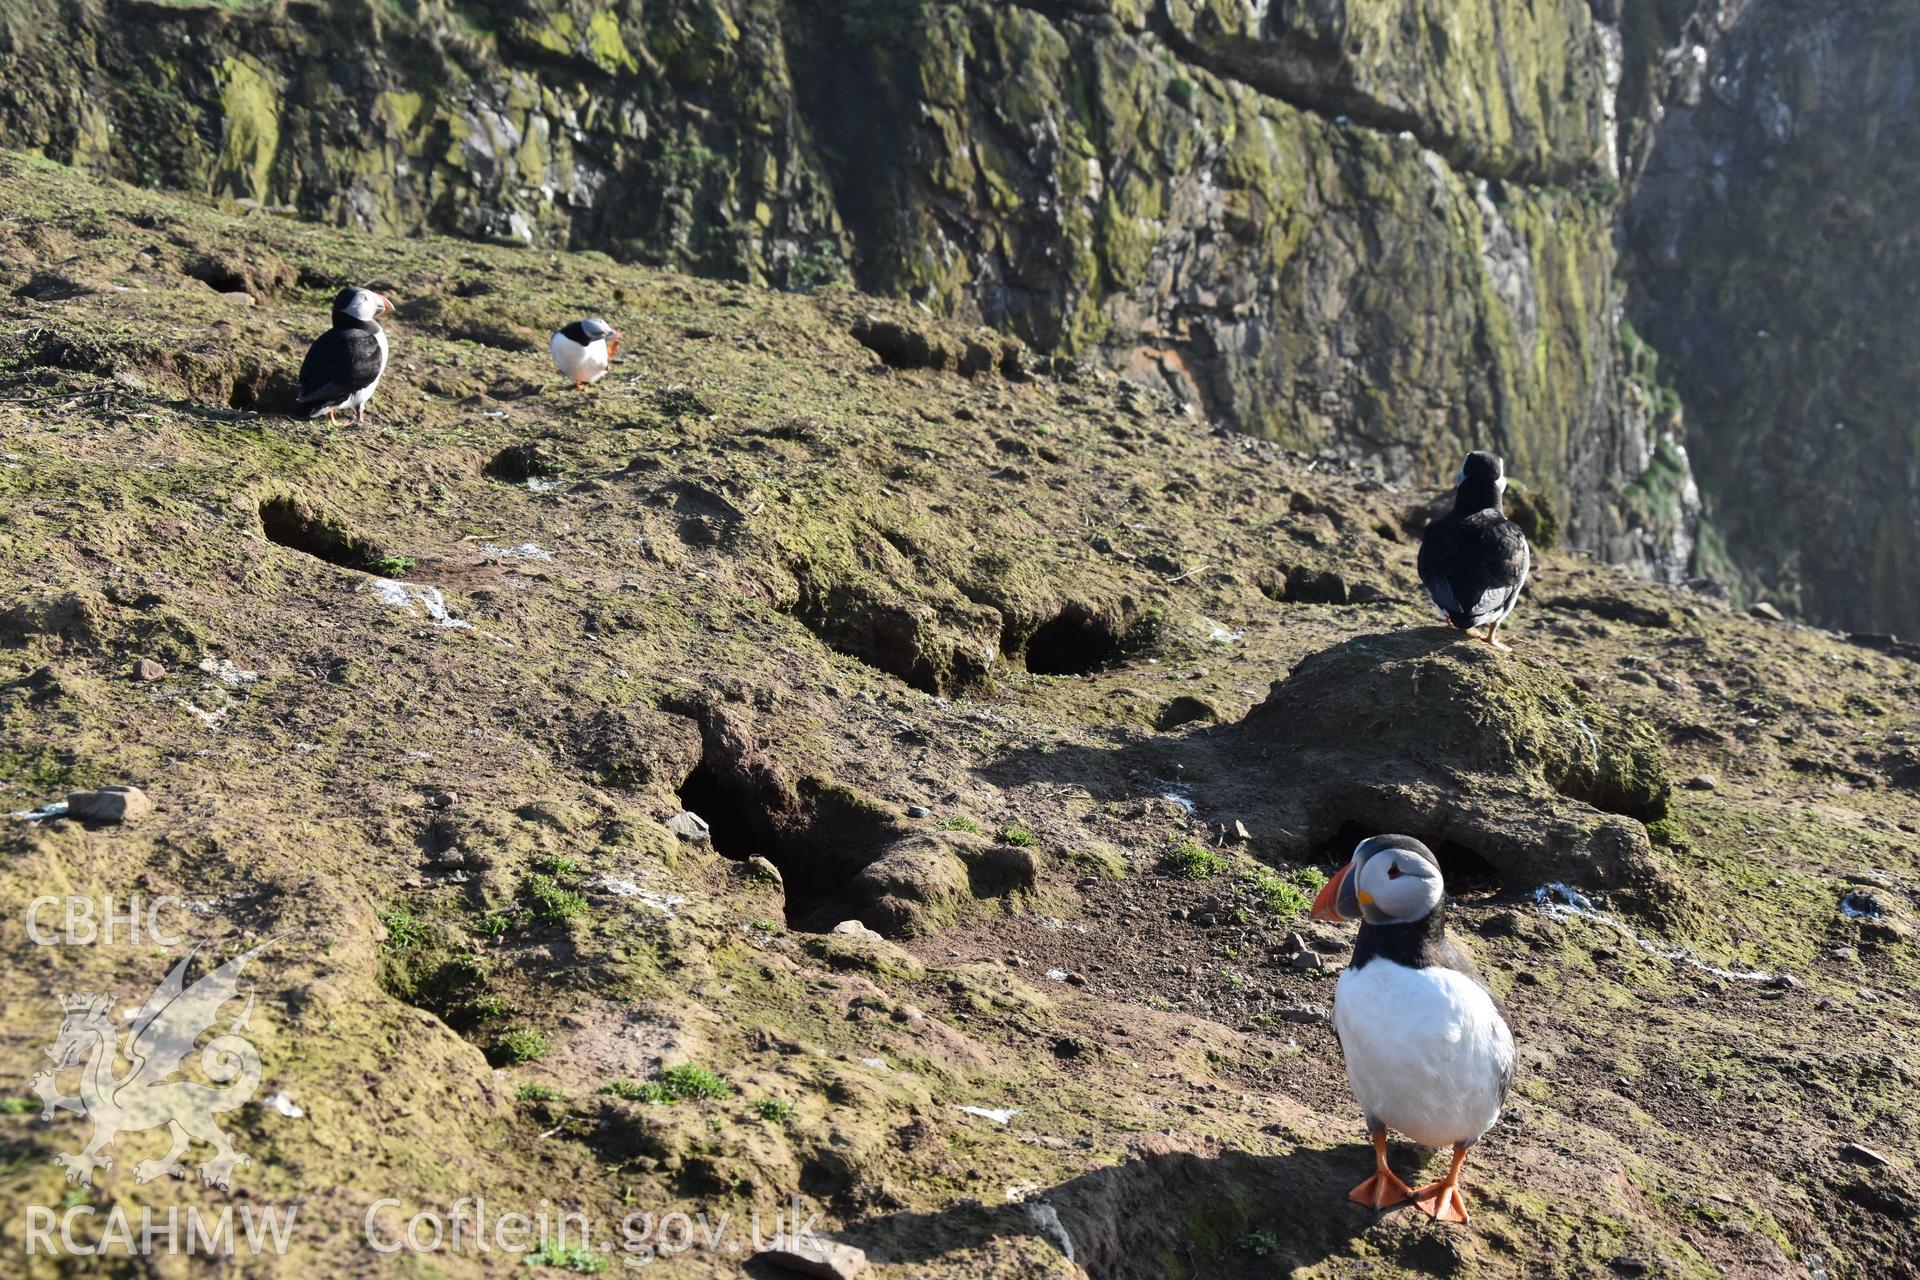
290, 524
819, 835
264, 390
1074, 642
519, 463
1464, 870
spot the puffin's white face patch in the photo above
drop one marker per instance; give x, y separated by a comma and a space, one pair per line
1400, 885
364, 305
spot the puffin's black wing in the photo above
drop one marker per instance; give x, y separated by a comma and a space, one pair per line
340, 363
1473, 565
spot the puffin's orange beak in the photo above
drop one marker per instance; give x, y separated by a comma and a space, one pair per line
1324, 907
386, 308
614, 340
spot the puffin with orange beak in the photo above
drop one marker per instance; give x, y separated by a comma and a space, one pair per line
585, 349
344, 364
1428, 1051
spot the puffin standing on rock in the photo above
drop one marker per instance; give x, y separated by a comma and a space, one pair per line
1428, 1052
344, 365
1473, 560
584, 350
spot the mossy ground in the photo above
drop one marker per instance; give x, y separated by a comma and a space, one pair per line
1180, 1104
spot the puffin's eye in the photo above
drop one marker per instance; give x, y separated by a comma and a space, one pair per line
1394, 872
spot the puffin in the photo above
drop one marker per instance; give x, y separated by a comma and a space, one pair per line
583, 350
344, 364
1473, 560
1428, 1050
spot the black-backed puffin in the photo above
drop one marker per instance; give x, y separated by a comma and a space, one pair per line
584, 349
344, 365
1428, 1052
1473, 560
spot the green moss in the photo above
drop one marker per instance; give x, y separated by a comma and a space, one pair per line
684, 1083
605, 45
577, 1258
400, 108
1286, 895
556, 35
404, 929
250, 129
1100, 859
551, 903
1643, 372
1193, 862
773, 1110
522, 1045
40, 773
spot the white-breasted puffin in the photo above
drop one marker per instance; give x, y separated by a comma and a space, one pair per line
584, 350
344, 365
1473, 560
1428, 1051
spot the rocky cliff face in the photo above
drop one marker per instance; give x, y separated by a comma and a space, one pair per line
1773, 258
1382, 229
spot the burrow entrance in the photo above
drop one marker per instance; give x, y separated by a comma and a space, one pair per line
291, 524
1464, 870
819, 834
1077, 641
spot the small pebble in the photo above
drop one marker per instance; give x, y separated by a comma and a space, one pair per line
147, 669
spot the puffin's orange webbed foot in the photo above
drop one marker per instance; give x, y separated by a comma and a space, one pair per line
1381, 1191
1384, 1188
1442, 1200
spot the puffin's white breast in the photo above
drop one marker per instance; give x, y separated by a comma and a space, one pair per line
1427, 1053
581, 363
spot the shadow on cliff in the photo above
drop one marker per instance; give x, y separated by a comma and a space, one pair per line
1169, 1209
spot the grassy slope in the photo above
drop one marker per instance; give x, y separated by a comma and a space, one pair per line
749, 468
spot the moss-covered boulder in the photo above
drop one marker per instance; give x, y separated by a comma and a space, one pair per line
1431, 733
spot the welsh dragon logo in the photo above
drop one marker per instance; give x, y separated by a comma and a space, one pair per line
147, 1094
